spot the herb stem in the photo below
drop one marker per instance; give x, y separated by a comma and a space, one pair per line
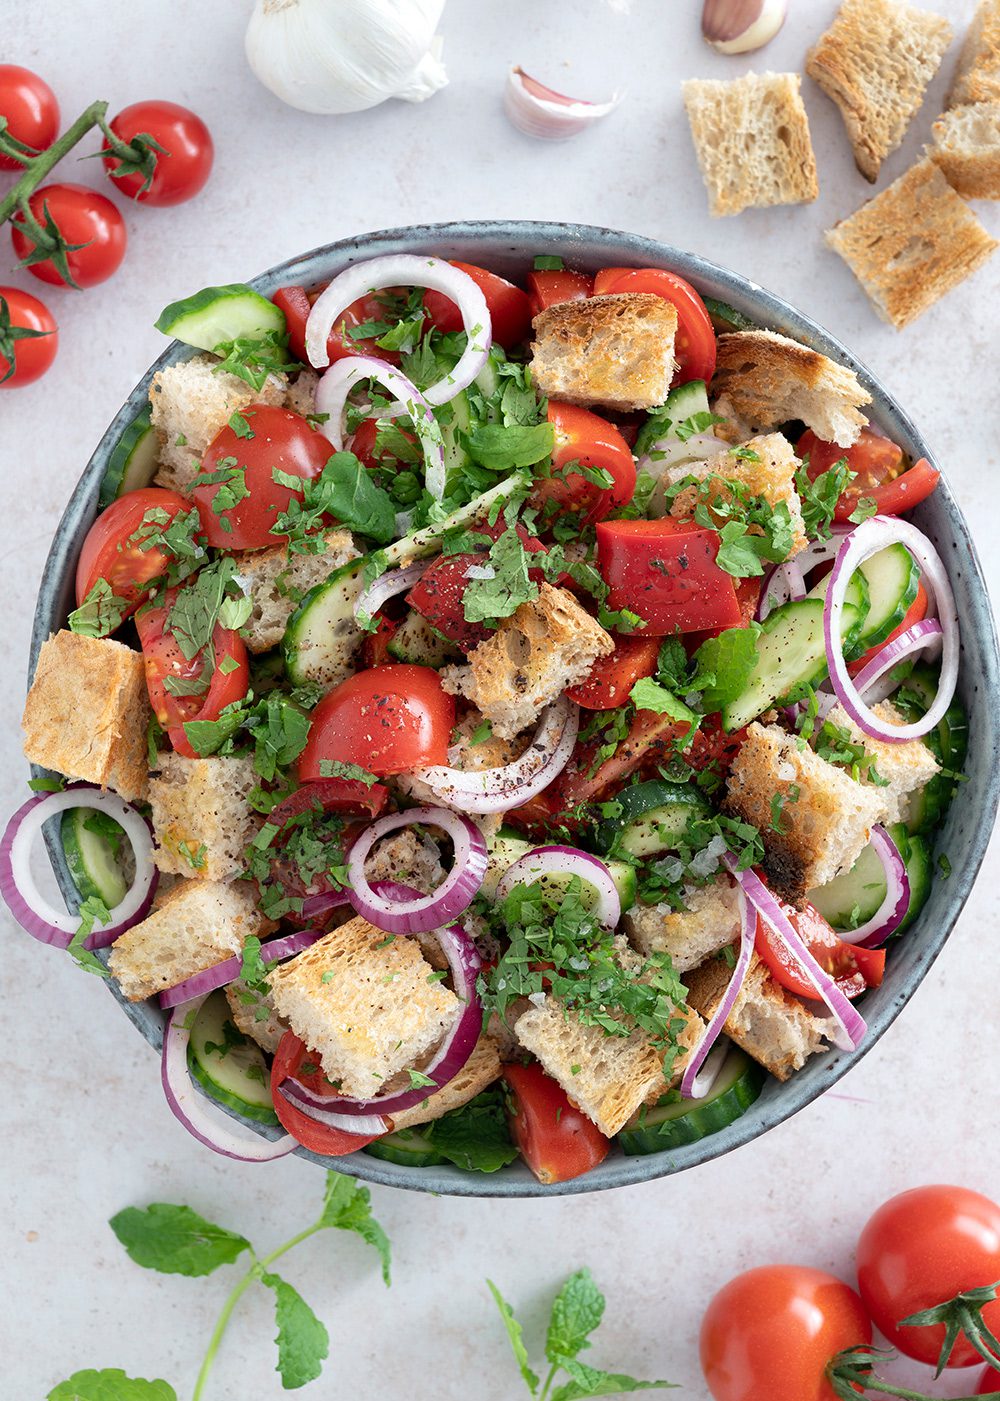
39, 166
547, 1387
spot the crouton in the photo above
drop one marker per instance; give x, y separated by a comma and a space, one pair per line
408, 858
967, 149
376, 1014
201, 816
478, 1072
547, 645
765, 379
199, 924
617, 351
825, 815
254, 1015
766, 466
875, 62
751, 136
277, 582
190, 404
606, 1077
912, 243
905, 768
710, 922
300, 396
87, 713
977, 78
767, 1022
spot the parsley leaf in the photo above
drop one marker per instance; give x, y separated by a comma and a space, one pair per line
576, 1311
500, 447
279, 730
648, 694
175, 1240
336, 768
866, 508
486, 600
546, 262
92, 911
819, 498
100, 613
302, 1340
344, 490
110, 1384
253, 358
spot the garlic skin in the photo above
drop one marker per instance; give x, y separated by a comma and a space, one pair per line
336, 56
539, 111
740, 26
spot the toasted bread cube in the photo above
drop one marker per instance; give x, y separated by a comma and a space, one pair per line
905, 768
751, 136
617, 351
190, 404
254, 1015
767, 1022
547, 645
875, 62
87, 713
711, 922
300, 396
977, 78
476, 1075
967, 149
765, 379
199, 924
377, 1012
824, 814
202, 819
277, 582
912, 243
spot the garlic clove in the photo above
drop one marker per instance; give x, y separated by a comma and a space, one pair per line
540, 111
740, 26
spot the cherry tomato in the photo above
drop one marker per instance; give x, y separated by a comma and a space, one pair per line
31, 109
665, 571
853, 969
612, 678
375, 648
916, 613
694, 346
879, 475
278, 439
771, 1333
584, 438
509, 308
84, 218
25, 357
294, 302
364, 446
387, 720
228, 681
546, 289
921, 1249
346, 795
318, 1138
989, 1383
556, 1140
113, 547
183, 165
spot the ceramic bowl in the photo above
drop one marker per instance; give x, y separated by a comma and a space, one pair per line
509, 248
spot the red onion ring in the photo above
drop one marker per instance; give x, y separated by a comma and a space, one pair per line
420, 913
317, 907
186, 1106
335, 386
17, 885
784, 584
387, 586
695, 1085
370, 1125
927, 635
868, 539
892, 911
499, 789
540, 111
407, 270
565, 861
210, 979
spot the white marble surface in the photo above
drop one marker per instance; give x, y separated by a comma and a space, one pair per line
86, 1130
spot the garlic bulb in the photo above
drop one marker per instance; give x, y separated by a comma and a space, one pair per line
332, 56
740, 26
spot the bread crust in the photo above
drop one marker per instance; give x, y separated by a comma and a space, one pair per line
966, 146
614, 350
977, 77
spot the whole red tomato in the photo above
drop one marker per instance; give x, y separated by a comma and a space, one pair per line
28, 338
182, 166
31, 110
89, 223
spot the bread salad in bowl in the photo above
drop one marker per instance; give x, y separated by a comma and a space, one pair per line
496, 720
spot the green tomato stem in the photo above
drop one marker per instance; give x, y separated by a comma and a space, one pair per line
40, 165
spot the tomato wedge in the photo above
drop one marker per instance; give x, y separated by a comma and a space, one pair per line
547, 289
854, 969
113, 549
694, 346
386, 720
556, 1140
346, 795
612, 678
289, 1059
585, 439
295, 303
509, 308
877, 463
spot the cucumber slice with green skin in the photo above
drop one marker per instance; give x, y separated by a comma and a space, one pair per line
91, 856
948, 742
737, 1085
725, 317
133, 462
653, 818
220, 314
505, 849
228, 1065
408, 1147
851, 899
893, 579
685, 401
415, 641
916, 853
858, 597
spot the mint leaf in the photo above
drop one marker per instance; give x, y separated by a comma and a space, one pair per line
475, 1137
590, 1381
345, 490
499, 446
514, 1333
648, 694
347, 1207
92, 911
337, 768
302, 1340
724, 665
576, 1311
110, 1384
175, 1240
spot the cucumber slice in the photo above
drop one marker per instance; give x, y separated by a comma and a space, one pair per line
851, 899
893, 579
687, 400
133, 462
416, 641
506, 848
219, 314
948, 742
737, 1085
92, 857
653, 818
228, 1065
916, 853
322, 634
725, 317
856, 594
456, 459
408, 1147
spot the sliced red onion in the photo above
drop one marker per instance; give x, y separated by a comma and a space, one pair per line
698, 1075
565, 861
332, 394
185, 1102
890, 914
406, 270
420, 913
927, 635
29, 907
317, 907
784, 584
371, 1125
542, 112
209, 979
387, 586
867, 540
452, 1054
850, 1024
510, 785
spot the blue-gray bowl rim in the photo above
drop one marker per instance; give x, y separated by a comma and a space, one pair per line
508, 246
